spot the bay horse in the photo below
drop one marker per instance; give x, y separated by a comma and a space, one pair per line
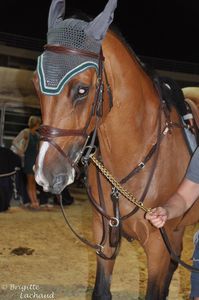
91, 84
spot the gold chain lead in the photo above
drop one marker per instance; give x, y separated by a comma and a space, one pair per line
117, 185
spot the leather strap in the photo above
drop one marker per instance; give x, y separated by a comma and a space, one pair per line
65, 50
52, 132
173, 254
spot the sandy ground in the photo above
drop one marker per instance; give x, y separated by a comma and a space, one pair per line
58, 266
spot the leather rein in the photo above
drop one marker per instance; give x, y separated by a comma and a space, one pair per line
48, 134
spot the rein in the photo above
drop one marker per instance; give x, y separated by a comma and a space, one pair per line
48, 133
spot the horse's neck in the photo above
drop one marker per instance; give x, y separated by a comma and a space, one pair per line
130, 127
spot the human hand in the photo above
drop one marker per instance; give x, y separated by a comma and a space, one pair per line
157, 216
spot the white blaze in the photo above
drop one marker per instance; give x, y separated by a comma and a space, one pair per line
39, 176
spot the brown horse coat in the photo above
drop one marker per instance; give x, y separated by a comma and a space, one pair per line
126, 133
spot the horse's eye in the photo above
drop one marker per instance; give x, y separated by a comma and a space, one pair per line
79, 92
82, 92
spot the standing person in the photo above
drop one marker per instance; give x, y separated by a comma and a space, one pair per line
26, 146
9, 162
186, 194
194, 275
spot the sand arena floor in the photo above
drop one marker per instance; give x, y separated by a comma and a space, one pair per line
58, 265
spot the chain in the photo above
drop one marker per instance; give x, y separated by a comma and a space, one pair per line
117, 185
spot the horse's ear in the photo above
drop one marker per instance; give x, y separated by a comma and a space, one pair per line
99, 26
56, 13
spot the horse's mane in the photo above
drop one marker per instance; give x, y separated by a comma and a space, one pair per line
147, 69
173, 95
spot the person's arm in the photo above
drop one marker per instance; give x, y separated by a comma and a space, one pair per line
177, 205
20, 142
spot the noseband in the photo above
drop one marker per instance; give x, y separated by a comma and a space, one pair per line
48, 133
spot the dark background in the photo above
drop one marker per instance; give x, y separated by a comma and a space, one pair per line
155, 28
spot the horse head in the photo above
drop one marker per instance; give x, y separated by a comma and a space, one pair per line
69, 84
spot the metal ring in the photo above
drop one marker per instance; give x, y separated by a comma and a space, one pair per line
114, 222
100, 250
141, 165
93, 148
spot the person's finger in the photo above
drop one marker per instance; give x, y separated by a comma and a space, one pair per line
154, 214
158, 223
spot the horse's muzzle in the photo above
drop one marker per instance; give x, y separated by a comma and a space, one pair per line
54, 184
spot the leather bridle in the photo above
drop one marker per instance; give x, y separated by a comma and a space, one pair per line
49, 133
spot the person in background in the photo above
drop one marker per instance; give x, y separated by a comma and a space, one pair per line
194, 275
26, 146
185, 196
9, 163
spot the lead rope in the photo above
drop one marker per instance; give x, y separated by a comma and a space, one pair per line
128, 195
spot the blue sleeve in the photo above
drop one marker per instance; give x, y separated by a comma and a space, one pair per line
193, 168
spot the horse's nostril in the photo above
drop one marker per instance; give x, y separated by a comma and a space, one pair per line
59, 183
59, 179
